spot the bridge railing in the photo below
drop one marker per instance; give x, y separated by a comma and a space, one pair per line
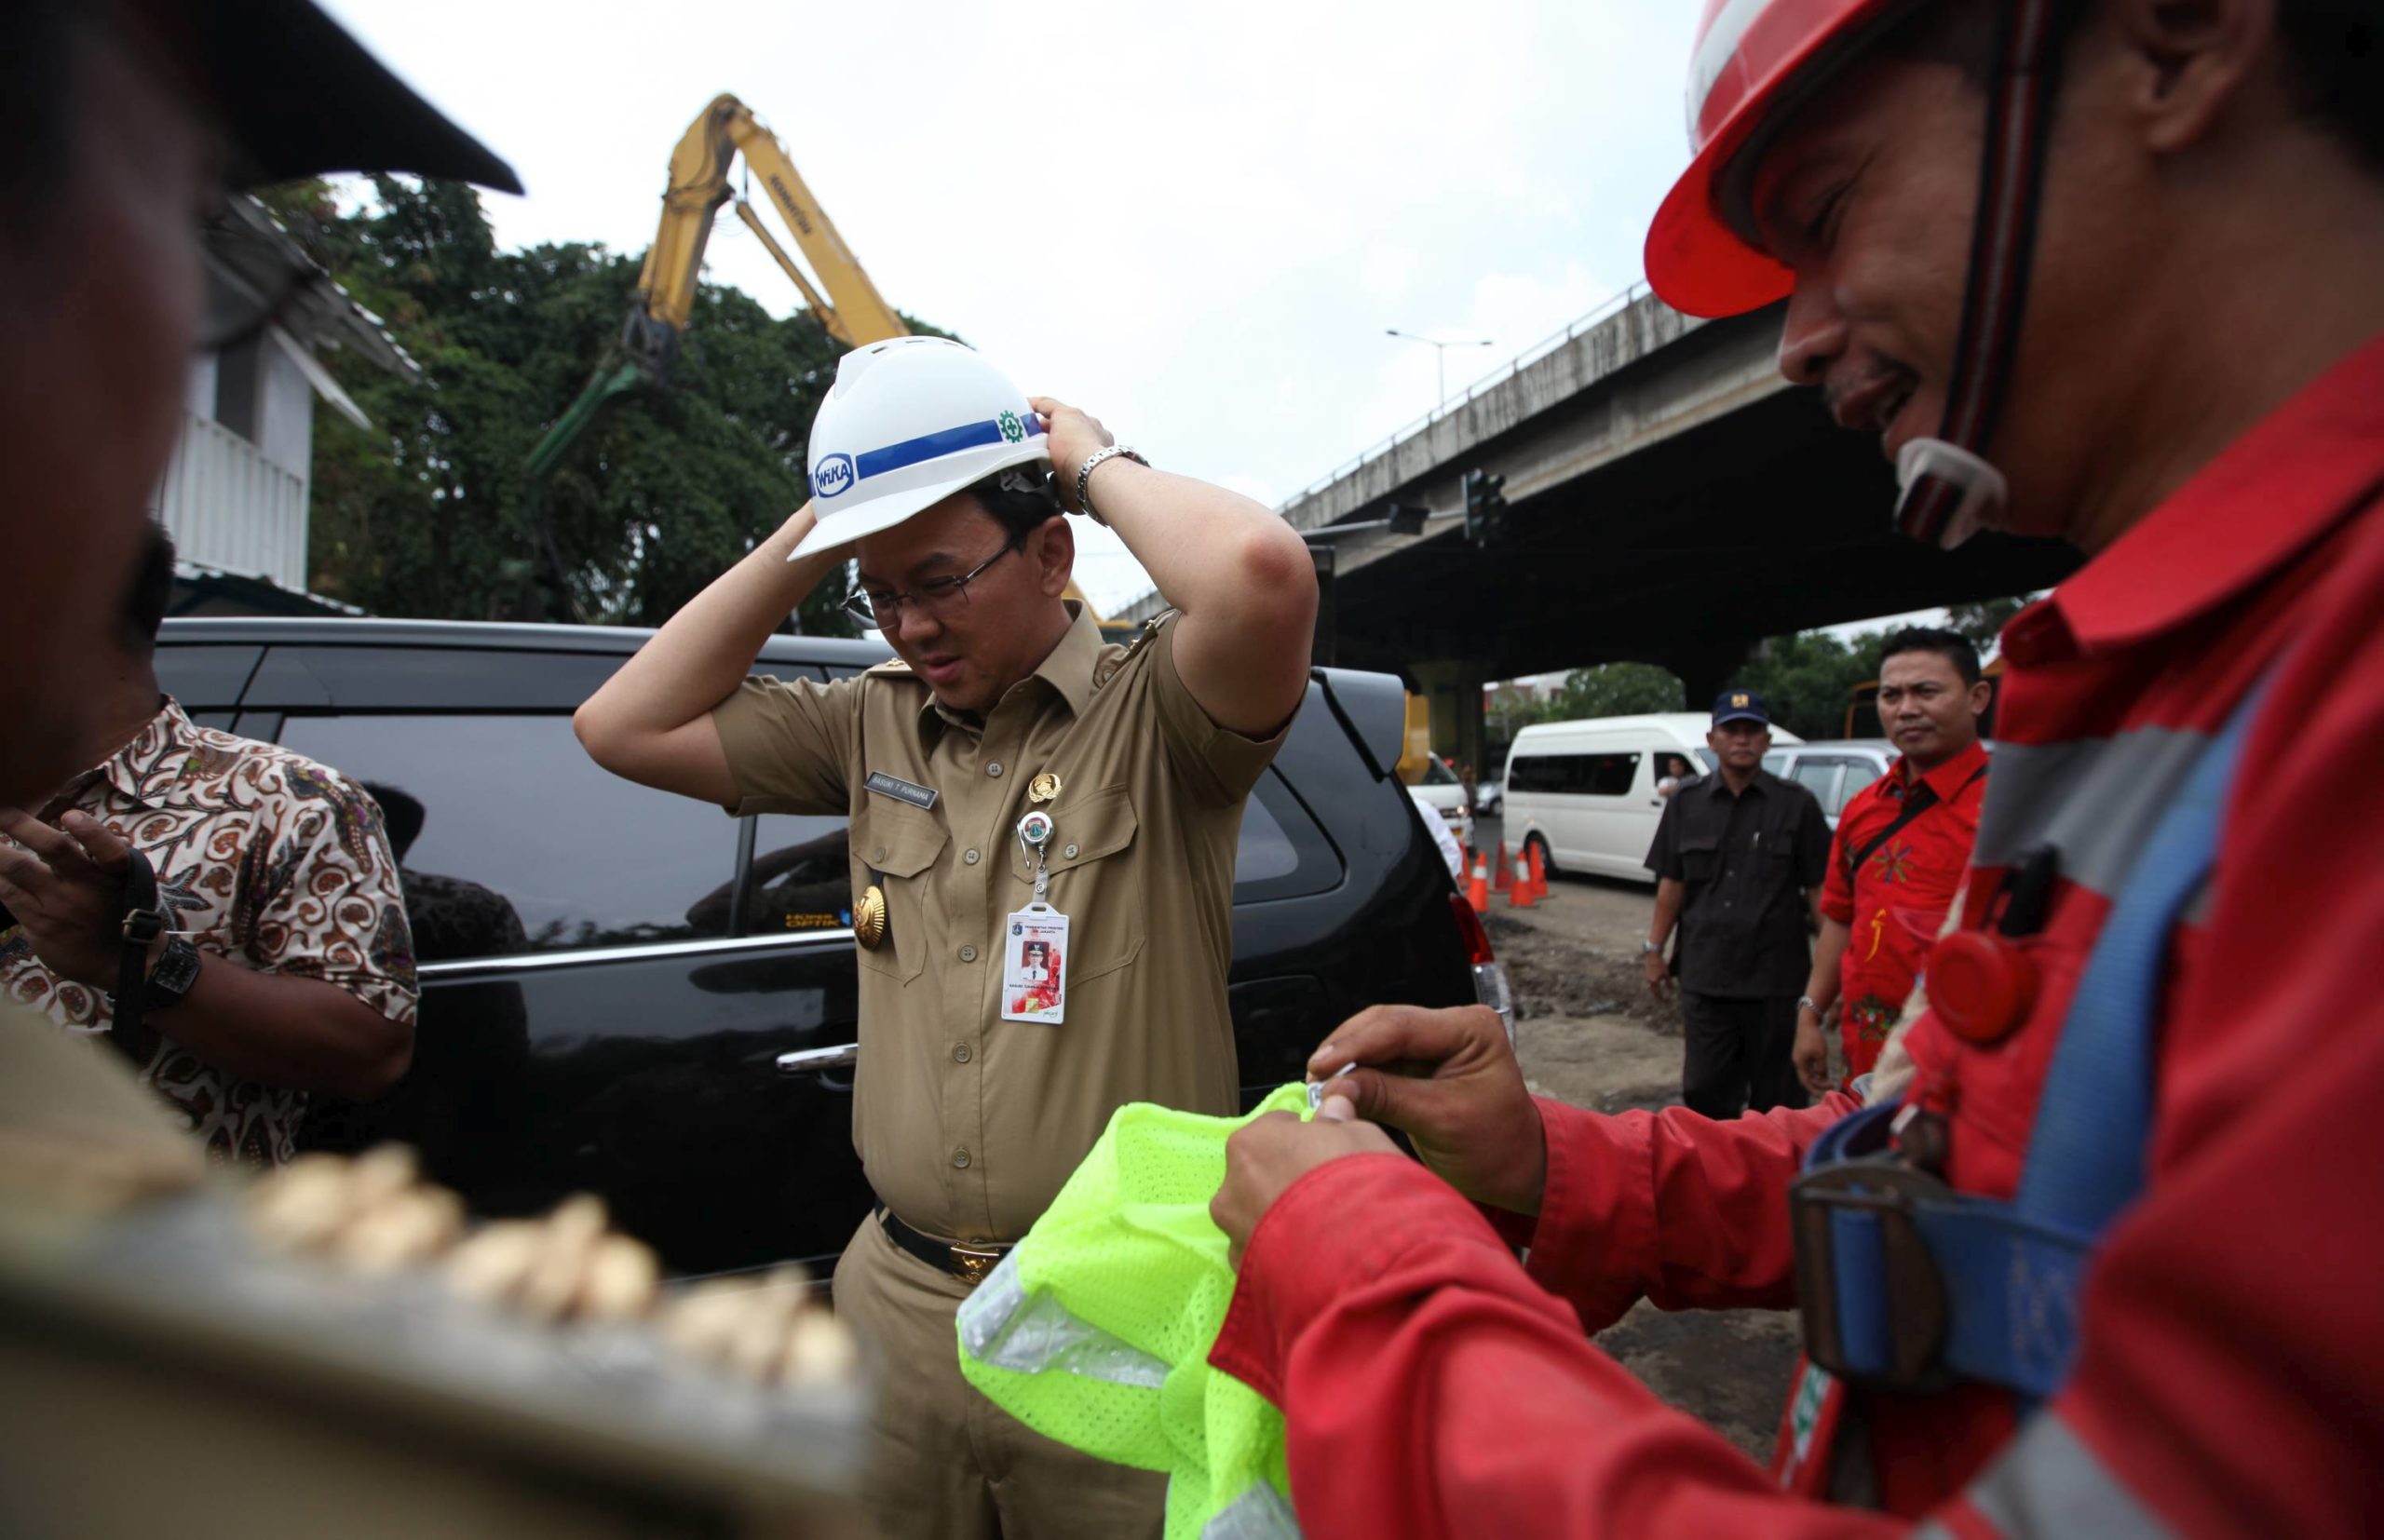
1507, 370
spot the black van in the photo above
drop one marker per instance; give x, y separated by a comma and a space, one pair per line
626, 992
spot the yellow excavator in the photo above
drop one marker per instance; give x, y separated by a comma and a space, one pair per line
850, 308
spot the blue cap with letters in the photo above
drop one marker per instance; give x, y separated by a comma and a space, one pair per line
1739, 706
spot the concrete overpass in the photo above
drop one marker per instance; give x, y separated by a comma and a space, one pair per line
1671, 500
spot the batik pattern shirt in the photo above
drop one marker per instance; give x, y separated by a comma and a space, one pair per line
263, 857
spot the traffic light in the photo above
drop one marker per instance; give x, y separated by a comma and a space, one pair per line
1485, 506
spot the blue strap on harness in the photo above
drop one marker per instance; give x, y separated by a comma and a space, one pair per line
2014, 1272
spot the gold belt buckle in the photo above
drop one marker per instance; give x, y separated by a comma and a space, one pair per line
972, 1264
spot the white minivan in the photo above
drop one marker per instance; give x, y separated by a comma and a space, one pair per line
1585, 792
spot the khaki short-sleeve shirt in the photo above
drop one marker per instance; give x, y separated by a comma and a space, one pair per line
967, 1123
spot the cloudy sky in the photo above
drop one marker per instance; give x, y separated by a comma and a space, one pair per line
1195, 220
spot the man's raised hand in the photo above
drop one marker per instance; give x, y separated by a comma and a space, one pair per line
1448, 1080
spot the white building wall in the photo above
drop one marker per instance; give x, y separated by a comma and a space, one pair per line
227, 505
286, 415
198, 397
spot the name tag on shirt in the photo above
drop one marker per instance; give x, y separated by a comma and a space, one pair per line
900, 789
1035, 965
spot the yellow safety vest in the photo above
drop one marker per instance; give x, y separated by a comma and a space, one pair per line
1095, 1330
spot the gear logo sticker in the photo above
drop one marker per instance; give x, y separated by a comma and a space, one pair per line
834, 475
1012, 429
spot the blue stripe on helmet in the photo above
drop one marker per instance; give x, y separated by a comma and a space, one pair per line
931, 446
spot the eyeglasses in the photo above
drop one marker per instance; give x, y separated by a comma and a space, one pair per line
937, 595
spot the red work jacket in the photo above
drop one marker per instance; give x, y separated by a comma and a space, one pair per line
1896, 903
2231, 1374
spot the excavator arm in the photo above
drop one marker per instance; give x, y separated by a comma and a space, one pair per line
851, 309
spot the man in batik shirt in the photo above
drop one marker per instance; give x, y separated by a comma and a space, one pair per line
274, 870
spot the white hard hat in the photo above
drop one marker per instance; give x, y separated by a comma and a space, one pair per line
909, 422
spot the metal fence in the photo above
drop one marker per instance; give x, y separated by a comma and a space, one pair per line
228, 506
1504, 373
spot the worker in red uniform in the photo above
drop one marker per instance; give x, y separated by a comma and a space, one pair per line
1902, 845
2105, 270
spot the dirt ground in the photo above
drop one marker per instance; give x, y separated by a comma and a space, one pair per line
1589, 1033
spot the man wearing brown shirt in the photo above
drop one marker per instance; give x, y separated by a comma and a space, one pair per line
1042, 845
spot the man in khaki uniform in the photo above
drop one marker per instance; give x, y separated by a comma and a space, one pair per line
1002, 702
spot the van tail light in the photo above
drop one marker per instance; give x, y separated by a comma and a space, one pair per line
1490, 987
1471, 930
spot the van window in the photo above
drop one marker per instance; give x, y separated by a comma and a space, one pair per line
1821, 777
510, 822
1859, 773
1577, 775
1437, 773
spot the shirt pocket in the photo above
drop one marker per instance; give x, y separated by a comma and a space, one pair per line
1701, 859
899, 844
1095, 880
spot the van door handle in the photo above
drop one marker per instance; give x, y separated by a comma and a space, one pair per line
1655, 802
819, 1061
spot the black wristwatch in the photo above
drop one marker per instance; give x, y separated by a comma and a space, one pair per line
176, 970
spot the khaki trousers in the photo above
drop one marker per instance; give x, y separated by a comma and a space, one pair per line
947, 1463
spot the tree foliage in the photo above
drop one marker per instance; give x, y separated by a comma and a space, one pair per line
1983, 623
425, 514
1807, 679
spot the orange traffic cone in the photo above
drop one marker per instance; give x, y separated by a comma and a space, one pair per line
1539, 874
1502, 878
1477, 892
1521, 896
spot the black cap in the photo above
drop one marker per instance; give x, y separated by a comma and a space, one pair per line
301, 97
1740, 705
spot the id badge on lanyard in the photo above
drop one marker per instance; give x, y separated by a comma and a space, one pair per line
1035, 940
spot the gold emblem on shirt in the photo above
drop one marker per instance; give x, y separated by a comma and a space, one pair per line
868, 918
1043, 788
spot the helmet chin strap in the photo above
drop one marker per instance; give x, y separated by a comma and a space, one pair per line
1948, 489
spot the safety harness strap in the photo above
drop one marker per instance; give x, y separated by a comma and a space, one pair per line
1991, 1292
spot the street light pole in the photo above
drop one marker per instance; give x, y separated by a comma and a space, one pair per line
1440, 356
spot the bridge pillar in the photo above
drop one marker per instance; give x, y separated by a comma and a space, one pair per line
1453, 687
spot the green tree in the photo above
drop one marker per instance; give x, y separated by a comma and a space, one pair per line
425, 515
1618, 689
1809, 679
1981, 623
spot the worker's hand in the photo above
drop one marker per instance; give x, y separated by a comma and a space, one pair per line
1076, 437
1447, 1079
65, 886
1265, 1155
1660, 973
1812, 1053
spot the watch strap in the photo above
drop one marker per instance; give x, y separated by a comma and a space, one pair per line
1084, 477
143, 922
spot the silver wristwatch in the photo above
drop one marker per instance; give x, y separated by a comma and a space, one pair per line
1651, 948
1084, 478
1805, 1002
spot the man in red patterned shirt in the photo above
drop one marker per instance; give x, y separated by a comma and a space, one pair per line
1902, 845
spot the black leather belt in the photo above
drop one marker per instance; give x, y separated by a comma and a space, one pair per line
968, 1263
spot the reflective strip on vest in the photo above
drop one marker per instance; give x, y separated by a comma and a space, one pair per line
1006, 1327
2097, 799
2050, 1484
1258, 1514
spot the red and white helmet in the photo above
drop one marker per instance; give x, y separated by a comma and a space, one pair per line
1758, 58
1750, 55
